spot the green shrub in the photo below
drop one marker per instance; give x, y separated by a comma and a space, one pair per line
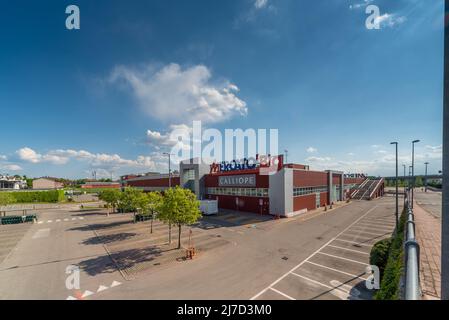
38, 196
390, 283
379, 254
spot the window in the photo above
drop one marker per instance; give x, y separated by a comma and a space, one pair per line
308, 190
243, 192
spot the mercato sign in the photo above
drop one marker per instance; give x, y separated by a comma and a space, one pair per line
271, 164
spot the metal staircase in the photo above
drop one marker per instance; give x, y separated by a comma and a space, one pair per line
369, 189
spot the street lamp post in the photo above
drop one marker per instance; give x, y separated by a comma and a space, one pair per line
405, 178
425, 178
445, 196
413, 168
169, 168
397, 187
169, 186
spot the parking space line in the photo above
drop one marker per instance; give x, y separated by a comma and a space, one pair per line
371, 231
375, 224
336, 270
364, 238
323, 246
49, 221
342, 248
359, 232
282, 294
353, 242
338, 257
373, 228
314, 281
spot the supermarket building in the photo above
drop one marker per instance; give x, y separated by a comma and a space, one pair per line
263, 185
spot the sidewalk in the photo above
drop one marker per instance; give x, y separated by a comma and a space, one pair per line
428, 234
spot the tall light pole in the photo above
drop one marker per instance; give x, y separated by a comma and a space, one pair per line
409, 178
169, 168
397, 188
445, 197
405, 177
425, 178
413, 168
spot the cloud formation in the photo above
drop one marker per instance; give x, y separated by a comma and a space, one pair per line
100, 160
259, 4
177, 95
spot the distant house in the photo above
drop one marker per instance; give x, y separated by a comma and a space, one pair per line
46, 184
11, 183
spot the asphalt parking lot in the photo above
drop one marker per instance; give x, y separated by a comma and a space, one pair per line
321, 255
337, 270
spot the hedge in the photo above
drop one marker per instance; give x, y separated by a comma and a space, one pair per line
390, 283
379, 254
38, 196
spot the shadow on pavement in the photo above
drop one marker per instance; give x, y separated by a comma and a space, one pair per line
99, 226
106, 239
124, 260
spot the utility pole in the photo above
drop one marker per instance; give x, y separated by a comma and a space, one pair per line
169, 168
445, 197
413, 170
425, 178
397, 188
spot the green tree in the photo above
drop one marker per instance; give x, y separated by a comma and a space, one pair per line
419, 182
180, 207
133, 199
111, 197
6, 198
155, 201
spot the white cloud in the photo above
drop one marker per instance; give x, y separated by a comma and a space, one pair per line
2, 157
98, 160
360, 4
181, 96
389, 20
318, 159
11, 167
259, 4
311, 150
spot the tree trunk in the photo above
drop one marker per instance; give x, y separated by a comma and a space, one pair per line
179, 236
169, 233
152, 218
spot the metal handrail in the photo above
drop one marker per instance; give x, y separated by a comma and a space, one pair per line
411, 249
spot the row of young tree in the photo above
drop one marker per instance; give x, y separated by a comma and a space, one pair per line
176, 207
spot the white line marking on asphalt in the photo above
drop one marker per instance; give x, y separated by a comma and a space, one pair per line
381, 229
356, 243
66, 219
58, 220
115, 284
338, 257
71, 298
312, 281
369, 238
81, 218
336, 270
40, 222
375, 224
342, 248
87, 293
49, 221
304, 261
73, 219
102, 288
41, 233
361, 232
282, 294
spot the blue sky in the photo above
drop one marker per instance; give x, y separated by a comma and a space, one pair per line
106, 97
